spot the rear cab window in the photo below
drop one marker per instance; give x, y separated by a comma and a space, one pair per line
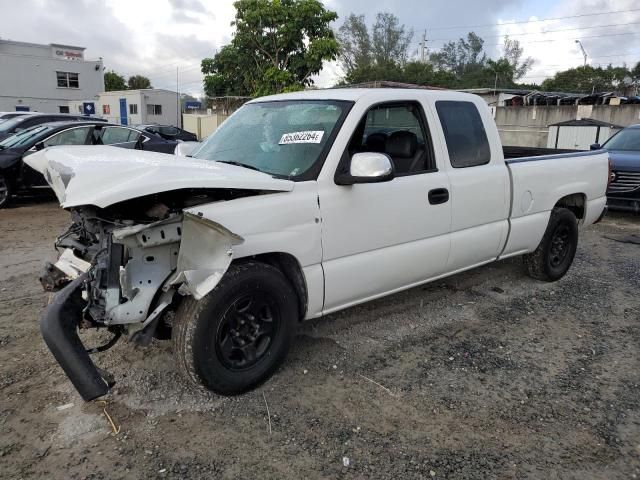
464, 133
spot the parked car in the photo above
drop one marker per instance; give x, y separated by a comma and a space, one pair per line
624, 151
298, 206
185, 149
7, 115
22, 122
17, 178
169, 132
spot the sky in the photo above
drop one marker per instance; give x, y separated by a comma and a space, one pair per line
156, 37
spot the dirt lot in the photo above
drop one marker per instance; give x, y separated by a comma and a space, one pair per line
488, 374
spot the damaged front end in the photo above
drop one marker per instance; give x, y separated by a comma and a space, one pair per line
124, 275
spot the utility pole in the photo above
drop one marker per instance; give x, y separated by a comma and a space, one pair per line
423, 47
177, 100
584, 53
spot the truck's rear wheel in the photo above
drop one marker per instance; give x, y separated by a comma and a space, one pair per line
554, 255
236, 337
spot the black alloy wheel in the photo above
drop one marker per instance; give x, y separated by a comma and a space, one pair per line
247, 329
560, 245
238, 334
553, 257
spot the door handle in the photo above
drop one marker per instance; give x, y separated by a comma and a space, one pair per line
438, 196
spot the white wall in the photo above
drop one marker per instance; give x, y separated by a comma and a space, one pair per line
167, 100
29, 80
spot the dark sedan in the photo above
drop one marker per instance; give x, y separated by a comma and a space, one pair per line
18, 178
23, 122
624, 151
169, 132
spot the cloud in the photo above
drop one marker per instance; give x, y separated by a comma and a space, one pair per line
153, 37
188, 11
188, 5
606, 37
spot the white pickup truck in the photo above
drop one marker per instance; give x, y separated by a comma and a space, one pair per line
299, 205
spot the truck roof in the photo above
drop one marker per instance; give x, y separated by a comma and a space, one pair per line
371, 94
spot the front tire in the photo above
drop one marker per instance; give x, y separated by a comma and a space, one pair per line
236, 337
5, 191
555, 253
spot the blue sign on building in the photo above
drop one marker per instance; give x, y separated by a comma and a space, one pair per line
193, 105
88, 108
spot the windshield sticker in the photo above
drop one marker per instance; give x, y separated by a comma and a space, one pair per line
311, 136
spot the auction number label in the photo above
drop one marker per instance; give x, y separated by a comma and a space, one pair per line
310, 136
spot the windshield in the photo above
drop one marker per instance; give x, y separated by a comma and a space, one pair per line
626, 140
9, 125
22, 139
285, 138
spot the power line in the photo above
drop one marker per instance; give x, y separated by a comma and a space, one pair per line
535, 21
548, 31
565, 39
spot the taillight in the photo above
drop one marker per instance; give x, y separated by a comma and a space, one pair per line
610, 173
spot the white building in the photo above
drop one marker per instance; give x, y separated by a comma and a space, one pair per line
44, 78
131, 107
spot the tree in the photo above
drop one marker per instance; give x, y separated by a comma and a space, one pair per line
383, 54
277, 46
390, 41
113, 81
377, 55
588, 79
139, 82
464, 57
513, 55
355, 44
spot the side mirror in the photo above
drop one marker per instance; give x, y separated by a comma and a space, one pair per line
595, 146
185, 149
367, 167
139, 141
39, 146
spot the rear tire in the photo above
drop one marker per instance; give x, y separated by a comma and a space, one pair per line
236, 337
555, 253
5, 191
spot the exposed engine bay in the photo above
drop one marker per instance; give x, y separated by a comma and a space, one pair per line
138, 254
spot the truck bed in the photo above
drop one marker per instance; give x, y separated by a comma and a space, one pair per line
517, 152
537, 184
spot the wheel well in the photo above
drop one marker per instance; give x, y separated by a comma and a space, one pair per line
576, 202
290, 267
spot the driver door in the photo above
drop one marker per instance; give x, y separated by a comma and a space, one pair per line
378, 238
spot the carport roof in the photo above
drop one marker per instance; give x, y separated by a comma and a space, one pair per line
584, 122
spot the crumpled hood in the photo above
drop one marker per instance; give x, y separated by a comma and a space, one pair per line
102, 175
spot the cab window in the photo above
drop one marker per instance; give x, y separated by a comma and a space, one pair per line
464, 133
399, 131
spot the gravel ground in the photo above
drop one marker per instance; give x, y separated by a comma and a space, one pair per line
487, 374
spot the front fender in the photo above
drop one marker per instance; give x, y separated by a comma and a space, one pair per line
205, 255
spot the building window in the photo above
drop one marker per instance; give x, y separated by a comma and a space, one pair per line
133, 109
154, 109
106, 109
67, 80
63, 109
